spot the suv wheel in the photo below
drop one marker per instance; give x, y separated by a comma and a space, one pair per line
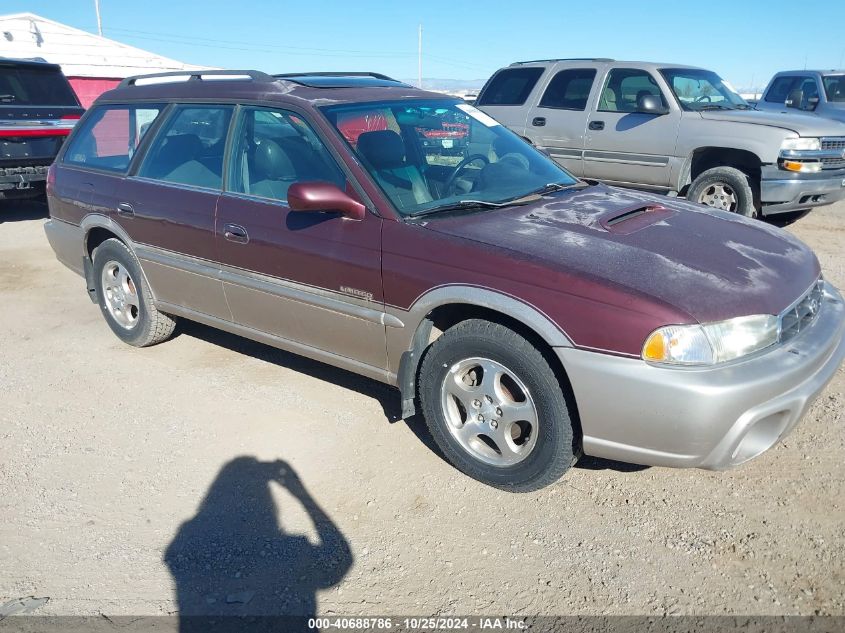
495, 407
125, 298
725, 188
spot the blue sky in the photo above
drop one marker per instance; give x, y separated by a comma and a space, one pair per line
740, 39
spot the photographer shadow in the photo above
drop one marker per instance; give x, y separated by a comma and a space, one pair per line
234, 566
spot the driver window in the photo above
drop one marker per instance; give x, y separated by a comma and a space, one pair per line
274, 149
623, 89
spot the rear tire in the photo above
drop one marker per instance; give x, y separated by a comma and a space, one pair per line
125, 298
495, 407
724, 188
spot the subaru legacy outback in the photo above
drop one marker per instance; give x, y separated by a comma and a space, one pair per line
529, 315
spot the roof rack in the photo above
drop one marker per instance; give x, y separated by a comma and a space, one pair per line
293, 76
198, 75
566, 59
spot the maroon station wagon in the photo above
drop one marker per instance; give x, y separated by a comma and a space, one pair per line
529, 315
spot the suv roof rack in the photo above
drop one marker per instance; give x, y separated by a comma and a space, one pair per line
566, 59
198, 75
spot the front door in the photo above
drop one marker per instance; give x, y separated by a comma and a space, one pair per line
312, 279
623, 145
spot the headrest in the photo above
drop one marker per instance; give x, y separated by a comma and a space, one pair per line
182, 147
272, 162
383, 149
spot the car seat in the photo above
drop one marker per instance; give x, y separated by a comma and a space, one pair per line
403, 182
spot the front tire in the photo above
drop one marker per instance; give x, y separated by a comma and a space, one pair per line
495, 407
724, 188
125, 298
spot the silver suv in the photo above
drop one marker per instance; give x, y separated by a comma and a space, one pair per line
673, 129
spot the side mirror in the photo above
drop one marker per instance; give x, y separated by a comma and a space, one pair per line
812, 103
794, 99
651, 104
324, 196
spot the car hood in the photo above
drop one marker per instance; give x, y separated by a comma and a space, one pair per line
802, 124
709, 264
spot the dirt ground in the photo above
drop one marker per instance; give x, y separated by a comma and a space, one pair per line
212, 474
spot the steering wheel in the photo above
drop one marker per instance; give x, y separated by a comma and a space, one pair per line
460, 167
701, 98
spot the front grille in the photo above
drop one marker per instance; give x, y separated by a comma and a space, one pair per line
833, 142
801, 314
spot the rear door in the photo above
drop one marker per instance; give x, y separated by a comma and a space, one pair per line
623, 145
312, 279
505, 96
168, 208
558, 120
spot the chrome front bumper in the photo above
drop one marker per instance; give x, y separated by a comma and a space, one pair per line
712, 418
782, 191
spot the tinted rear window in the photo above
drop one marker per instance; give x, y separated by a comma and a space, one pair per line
510, 87
569, 89
34, 87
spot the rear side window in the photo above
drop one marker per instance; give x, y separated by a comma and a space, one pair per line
510, 86
35, 87
109, 136
781, 87
569, 89
189, 148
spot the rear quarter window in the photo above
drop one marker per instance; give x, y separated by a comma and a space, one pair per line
510, 86
35, 87
109, 136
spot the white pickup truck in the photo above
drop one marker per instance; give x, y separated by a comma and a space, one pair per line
670, 128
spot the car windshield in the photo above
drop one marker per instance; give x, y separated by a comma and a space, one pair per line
834, 88
698, 90
431, 156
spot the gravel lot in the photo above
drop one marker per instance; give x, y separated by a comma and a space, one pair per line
148, 481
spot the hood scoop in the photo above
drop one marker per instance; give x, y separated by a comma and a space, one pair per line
634, 218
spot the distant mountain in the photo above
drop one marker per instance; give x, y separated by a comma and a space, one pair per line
448, 85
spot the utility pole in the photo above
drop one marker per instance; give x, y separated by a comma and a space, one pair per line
99, 22
419, 60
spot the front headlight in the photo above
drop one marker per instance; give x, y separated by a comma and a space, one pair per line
711, 343
801, 143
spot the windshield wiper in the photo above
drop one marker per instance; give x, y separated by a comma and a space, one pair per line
715, 106
458, 206
553, 187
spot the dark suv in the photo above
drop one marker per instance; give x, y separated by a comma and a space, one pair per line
530, 315
38, 109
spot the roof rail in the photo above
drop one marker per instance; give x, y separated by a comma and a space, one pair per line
197, 75
566, 59
334, 74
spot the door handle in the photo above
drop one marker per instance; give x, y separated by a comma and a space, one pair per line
125, 209
235, 233
596, 125
538, 121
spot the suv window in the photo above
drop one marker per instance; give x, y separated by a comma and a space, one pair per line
781, 87
624, 87
274, 149
109, 136
569, 89
33, 86
834, 86
510, 86
189, 148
